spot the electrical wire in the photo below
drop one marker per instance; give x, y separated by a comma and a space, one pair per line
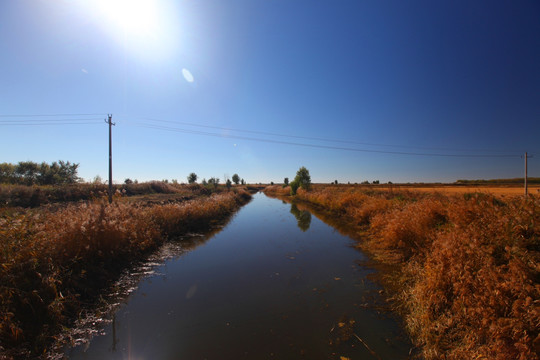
92, 121
313, 138
47, 120
27, 120
46, 124
195, 132
48, 115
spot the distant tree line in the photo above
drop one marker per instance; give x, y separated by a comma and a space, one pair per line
31, 173
214, 181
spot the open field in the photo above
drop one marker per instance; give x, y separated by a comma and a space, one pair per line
466, 266
499, 190
56, 260
491, 189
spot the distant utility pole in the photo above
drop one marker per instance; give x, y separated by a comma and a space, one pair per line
526, 157
109, 121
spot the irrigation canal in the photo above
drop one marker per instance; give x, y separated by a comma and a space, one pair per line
275, 283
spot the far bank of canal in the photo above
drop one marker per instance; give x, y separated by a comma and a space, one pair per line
276, 282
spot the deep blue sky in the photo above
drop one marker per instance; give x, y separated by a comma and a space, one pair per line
423, 77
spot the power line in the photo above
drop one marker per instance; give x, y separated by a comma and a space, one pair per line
46, 120
51, 115
315, 138
49, 124
93, 121
39, 122
195, 132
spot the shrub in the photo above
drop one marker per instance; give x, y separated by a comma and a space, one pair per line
408, 231
303, 178
294, 187
192, 178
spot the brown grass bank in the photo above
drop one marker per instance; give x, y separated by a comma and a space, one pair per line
38, 195
55, 262
468, 269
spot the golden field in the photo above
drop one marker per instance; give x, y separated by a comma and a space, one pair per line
498, 190
466, 267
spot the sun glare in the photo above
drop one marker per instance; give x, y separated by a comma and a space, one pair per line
134, 17
147, 28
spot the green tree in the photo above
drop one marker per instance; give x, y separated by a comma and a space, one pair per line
68, 172
7, 173
97, 180
47, 174
192, 178
236, 179
228, 183
26, 172
294, 186
29, 173
286, 181
303, 178
213, 181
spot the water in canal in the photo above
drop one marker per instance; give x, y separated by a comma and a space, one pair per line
275, 283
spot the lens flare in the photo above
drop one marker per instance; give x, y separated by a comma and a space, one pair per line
187, 75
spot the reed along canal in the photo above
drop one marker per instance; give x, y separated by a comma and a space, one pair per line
275, 283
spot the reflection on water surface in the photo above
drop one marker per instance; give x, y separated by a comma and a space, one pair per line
303, 217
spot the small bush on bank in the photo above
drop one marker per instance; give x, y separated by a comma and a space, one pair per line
153, 187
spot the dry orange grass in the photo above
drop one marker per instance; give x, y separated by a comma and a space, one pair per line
475, 292
52, 263
468, 265
499, 190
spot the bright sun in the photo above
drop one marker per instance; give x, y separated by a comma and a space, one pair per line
148, 29
137, 18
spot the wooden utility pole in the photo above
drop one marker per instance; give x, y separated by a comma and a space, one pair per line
109, 121
526, 188
526, 175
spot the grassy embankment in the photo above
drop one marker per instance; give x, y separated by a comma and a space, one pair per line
501, 190
57, 260
35, 196
467, 275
